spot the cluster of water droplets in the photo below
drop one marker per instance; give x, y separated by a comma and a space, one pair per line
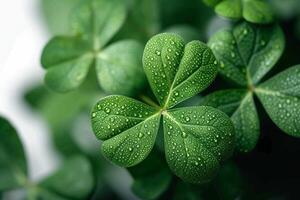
161, 59
115, 114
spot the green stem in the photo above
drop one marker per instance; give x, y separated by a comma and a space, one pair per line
149, 101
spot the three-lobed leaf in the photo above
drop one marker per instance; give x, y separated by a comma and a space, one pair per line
254, 50
194, 146
68, 59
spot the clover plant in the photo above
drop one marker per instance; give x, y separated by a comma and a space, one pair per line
75, 171
255, 11
143, 62
68, 59
196, 139
247, 53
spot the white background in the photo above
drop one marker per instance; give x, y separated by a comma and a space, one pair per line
22, 37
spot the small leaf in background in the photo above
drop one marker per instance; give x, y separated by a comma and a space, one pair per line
247, 52
177, 72
255, 11
196, 141
13, 166
99, 27
151, 177
118, 65
280, 96
74, 180
67, 60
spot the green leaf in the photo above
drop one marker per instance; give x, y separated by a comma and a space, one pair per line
247, 52
255, 11
258, 11
227, 101
119, 68
280, 96
239, 105
151, 177
13, 166
177, 72
67, 60
197, 139
98, 20
246, 123
74, 180
230, 8
128, 127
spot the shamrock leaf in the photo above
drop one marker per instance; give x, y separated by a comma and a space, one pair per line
261, 47
68, 59
255, 11
196, 139
13, 166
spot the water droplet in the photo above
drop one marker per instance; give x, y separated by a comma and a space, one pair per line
187, 119
157, 53
94, 114
141, 135
245, 32
107, 110
215, 62
184, 134
130, 149
222, 65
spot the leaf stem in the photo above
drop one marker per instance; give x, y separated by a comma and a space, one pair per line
149, 101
